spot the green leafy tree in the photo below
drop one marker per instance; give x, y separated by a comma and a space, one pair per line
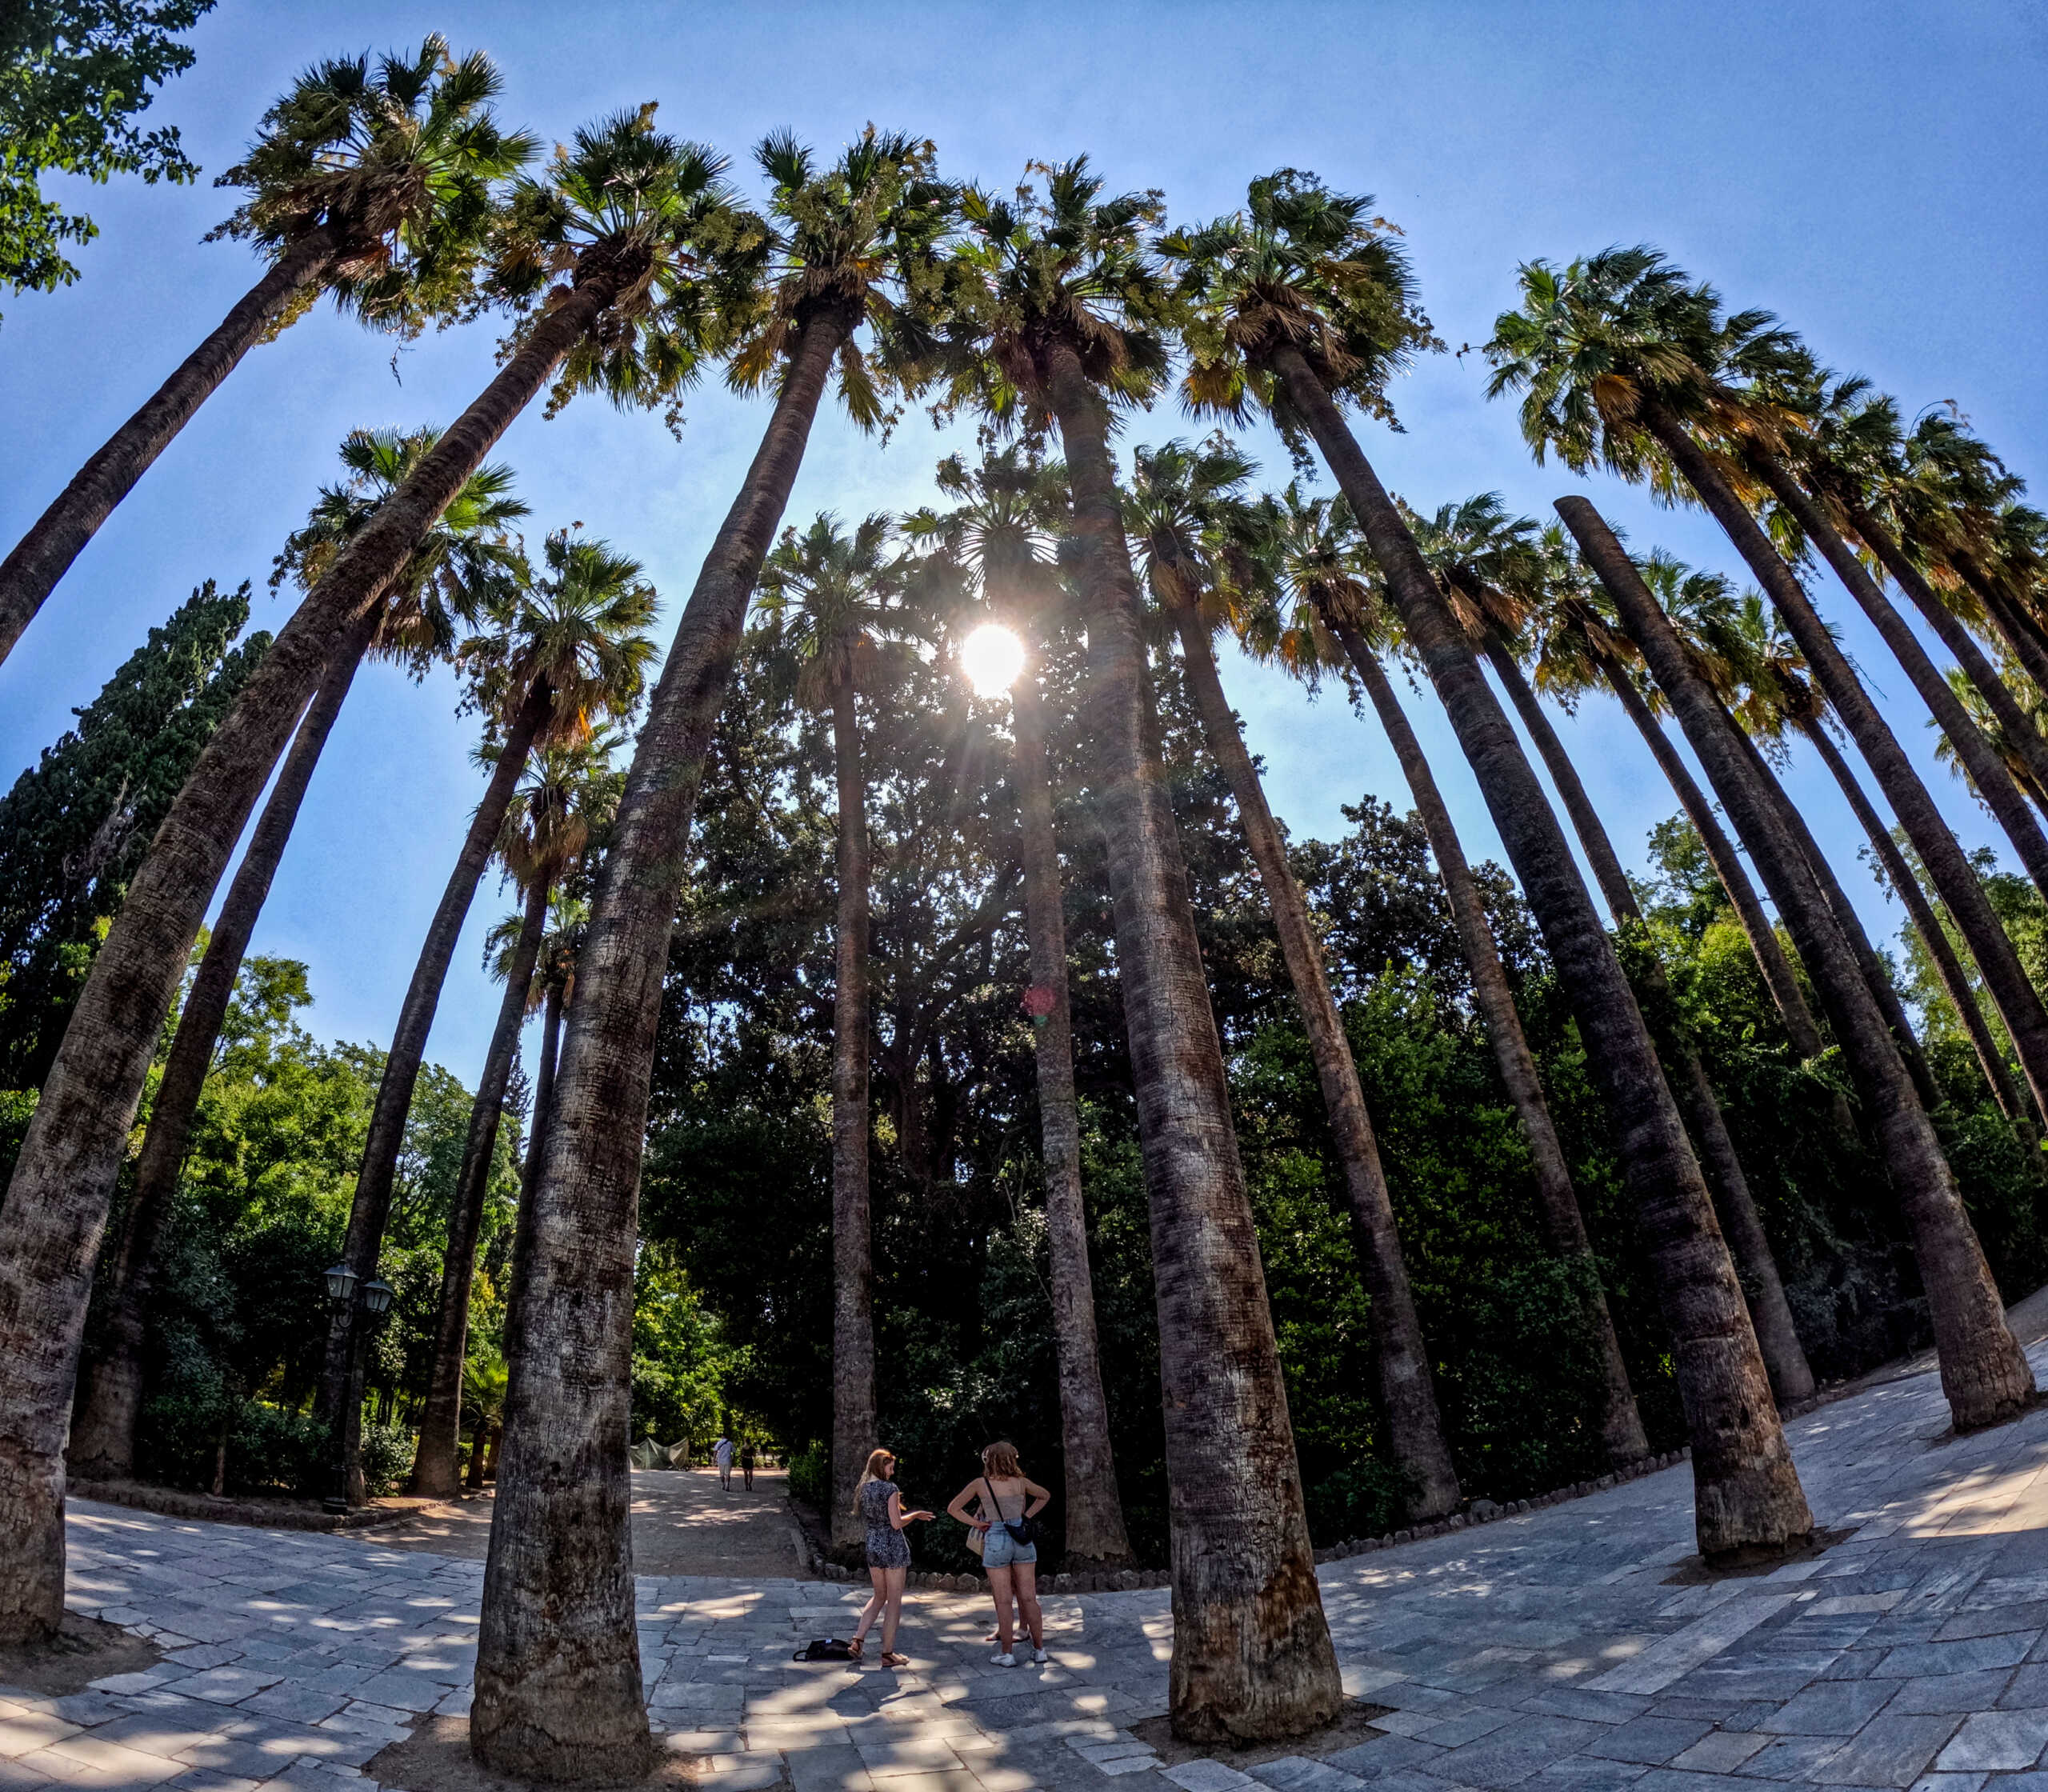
74, 75
75, 826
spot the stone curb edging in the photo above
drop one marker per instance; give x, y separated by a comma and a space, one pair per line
173, 1502
1136, 1580
1486, 1511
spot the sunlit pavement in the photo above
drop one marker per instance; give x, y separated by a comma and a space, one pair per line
1546, 1651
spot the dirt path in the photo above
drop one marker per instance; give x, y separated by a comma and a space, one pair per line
683, 1523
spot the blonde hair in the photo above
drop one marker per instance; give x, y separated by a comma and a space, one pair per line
1000, 1460
877, 1460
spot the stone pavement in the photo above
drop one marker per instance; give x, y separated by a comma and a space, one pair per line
1549, 1652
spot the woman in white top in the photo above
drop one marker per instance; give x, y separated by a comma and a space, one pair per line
1005, 1496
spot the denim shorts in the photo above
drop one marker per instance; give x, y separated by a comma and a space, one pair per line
1000, 1549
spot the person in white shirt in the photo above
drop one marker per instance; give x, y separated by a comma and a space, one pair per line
722, 1453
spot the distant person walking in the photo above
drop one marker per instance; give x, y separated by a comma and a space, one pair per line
746, 1463
878, 1501
1007, 1503
722, 1453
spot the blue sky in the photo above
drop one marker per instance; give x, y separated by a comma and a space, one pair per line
1871, 171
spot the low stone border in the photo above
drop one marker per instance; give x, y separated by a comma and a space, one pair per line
1137, 1580
262, 1514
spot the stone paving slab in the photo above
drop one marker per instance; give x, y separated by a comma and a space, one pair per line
1545, 1653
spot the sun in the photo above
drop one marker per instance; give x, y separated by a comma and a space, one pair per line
991, 657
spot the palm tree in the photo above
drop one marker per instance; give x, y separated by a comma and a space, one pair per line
1314, 563
376, 187
642, 229
1495, 579
1064, 310
833, 610
1621, 361
1302, 302
997, 541
546, 827
1984, 1373
444, 582
1195, 536
850, 282
1852, 458
563, 655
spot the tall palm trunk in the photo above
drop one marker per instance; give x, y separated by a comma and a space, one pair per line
1933, 936
1252, 1653
2019, 631
1415, 1430
103, 1444
2019, 1003
1987, 771
370, 1209
2019, 728
1984, 1373
1621, 1434
853, 1267
558, 1677
1789, 999
1848, 922
1094, 1510
435, 1471
523, 1229
1791, 1378
1746, 1491
51, 1221
30, 573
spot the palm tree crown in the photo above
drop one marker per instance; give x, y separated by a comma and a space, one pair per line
401, 164
833, 602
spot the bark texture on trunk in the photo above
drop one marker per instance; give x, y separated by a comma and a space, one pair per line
1984, 1373
1252, 1657
435, 1470
1622, 1434
1747, 1492
1789, 998
30, 573
370, 1209
1094, 1510
557, 1676
56, 1202
1415, 1430
1955, 980
1791, 1378
1848, 922
2020, 729
103, 1445
2019, 1003
853, 1249
1987, 771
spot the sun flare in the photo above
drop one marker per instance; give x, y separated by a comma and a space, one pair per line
991, 657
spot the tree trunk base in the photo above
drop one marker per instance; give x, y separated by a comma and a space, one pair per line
1253, 1670
1753, 1506
564, 1755
31, 1545
437, 1479
1992, 1391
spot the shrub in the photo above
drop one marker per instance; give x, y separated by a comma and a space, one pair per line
387, 1457
810, 1477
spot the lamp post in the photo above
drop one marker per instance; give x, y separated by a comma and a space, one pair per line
346, 1487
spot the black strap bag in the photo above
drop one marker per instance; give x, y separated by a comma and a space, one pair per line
1023, 1531
824, 1649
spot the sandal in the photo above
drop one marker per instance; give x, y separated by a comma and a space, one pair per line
888, 1660
857, 1647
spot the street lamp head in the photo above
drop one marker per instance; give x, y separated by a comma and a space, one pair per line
376, 1296
992, 658
341, 1284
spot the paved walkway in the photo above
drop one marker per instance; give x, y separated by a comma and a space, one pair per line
1549, 1652
683, 1523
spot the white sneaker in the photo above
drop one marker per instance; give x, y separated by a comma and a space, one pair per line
1037, 1658
1006, 1660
